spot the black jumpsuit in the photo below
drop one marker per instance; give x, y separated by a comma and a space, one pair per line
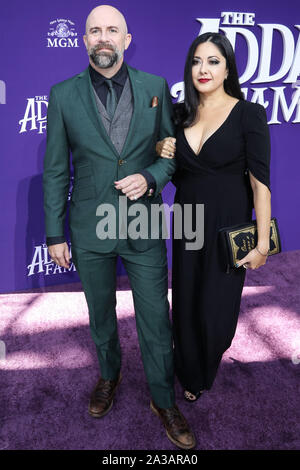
206, 299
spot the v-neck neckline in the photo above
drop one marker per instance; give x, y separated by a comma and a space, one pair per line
225, 120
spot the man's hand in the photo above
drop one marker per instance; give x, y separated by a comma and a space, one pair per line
133, 186
60, 254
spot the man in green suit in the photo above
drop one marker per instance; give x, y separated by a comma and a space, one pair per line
110, 116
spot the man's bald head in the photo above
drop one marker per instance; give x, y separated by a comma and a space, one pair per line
106, 39
106, 12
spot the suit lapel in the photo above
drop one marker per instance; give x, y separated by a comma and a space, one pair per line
137, 92
85, 89
100, 106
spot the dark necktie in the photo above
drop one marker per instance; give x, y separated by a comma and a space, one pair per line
111, 101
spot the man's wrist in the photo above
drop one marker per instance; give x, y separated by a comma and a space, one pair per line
55, 240
151, 183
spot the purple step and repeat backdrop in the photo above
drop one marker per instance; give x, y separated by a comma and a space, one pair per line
41, 44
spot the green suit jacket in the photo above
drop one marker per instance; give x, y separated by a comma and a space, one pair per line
74, 124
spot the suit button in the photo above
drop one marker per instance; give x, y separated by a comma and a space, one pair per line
121, 162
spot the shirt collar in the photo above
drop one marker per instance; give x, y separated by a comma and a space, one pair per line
119, 78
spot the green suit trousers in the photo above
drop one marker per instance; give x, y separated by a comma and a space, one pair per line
148, 276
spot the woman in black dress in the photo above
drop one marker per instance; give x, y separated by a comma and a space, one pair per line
222, 154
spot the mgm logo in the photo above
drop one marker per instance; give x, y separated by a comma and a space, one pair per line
62, 34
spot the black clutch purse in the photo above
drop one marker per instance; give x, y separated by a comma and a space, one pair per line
238, 240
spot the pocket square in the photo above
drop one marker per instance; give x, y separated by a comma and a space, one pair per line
154, 102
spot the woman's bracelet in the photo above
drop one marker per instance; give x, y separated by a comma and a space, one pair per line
262, 254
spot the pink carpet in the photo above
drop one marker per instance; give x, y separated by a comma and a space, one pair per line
51, 367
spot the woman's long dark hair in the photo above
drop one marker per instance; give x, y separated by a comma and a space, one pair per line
185, 113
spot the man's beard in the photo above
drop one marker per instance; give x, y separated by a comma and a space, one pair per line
104, 59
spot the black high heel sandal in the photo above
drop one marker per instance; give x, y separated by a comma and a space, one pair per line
192, 397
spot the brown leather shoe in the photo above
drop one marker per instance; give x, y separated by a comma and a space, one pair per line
177, 428
101, 400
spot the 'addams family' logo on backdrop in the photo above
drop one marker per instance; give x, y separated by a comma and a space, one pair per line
35, 116
42, 264
62, 34
285, 96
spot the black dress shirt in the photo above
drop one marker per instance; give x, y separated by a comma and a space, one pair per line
100, 86
98, 82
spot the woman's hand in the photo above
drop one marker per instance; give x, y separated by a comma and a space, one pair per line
253, 260
166, 148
